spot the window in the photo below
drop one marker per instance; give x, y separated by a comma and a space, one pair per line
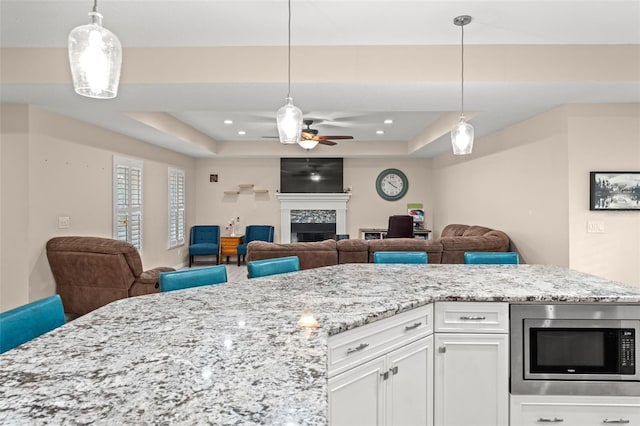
127, 200
176, 207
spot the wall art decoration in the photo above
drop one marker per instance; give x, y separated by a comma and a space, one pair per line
615, 191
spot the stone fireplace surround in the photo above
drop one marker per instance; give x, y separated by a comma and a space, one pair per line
312, 201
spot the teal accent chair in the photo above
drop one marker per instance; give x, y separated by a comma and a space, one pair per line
24, 323
254, 233
491, 258
188, 278
415, 257
204, 241
278, 265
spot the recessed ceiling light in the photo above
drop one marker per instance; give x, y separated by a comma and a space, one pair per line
228, 121
380, 132
242, 132
388, 121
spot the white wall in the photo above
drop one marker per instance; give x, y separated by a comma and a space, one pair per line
365, 208
55, 166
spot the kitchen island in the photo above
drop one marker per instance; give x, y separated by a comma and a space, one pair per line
239, 353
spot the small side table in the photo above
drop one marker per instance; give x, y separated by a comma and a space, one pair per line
229, 245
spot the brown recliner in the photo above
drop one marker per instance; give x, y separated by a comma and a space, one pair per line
92, 271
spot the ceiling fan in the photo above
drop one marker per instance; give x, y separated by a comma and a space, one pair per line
312, 134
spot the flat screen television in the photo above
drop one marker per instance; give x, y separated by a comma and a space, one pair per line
311, 175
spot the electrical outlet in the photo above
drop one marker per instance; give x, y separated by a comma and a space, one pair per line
63, 222
595, 226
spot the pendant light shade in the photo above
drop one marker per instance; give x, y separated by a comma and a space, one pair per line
289, 120
289, 117
462, 138
95, 57
462, 133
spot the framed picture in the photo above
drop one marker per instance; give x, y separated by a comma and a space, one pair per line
615, 191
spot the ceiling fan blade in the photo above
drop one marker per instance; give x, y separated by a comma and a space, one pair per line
334, 137
326, 142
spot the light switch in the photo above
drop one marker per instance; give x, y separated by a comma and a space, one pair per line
595, 226
63, 222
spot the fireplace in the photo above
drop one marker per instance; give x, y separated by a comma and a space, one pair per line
316, 215
312, 225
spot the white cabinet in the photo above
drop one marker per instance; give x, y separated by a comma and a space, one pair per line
574, 410
471, 364
382, 373
393, 389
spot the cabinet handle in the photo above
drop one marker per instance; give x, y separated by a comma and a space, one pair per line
473, 318
442, 349
411, 327
394, 370
360, 347
554, 420
619, 421
384, 375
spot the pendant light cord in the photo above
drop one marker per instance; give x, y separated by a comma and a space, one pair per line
462, 74
289, 54
95, 5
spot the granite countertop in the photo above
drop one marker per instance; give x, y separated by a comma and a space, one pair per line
234, 353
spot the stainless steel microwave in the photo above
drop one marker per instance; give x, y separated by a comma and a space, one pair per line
575, 349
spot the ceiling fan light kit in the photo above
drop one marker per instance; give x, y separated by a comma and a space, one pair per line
462, 133
95, 58
289, 117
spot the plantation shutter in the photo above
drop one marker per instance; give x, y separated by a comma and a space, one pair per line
128, 200
176, 207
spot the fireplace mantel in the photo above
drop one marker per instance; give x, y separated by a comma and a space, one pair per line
312, 201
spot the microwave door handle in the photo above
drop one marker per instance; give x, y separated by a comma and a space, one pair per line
554, 420
619, 421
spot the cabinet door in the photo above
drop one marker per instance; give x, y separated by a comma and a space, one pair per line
471, 379
410, 384
356, 397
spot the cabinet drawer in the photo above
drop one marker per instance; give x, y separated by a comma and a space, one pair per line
348, 349
472, 317
574, 410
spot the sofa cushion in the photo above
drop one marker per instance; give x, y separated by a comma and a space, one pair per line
476, 231
453, 230
311, 255
353, 251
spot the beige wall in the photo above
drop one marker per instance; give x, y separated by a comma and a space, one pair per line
532, 181
603, 138
55, 166
365, 208
14, 178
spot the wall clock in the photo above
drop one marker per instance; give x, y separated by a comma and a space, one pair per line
392, 184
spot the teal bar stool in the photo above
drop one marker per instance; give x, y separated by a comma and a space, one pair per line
417, 257
24, 323
279, 265
491, 258
179, 280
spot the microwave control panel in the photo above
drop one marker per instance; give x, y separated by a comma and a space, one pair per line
627, 352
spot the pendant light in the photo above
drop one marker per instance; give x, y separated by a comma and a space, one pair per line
462, 133
289, 117
95, 57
